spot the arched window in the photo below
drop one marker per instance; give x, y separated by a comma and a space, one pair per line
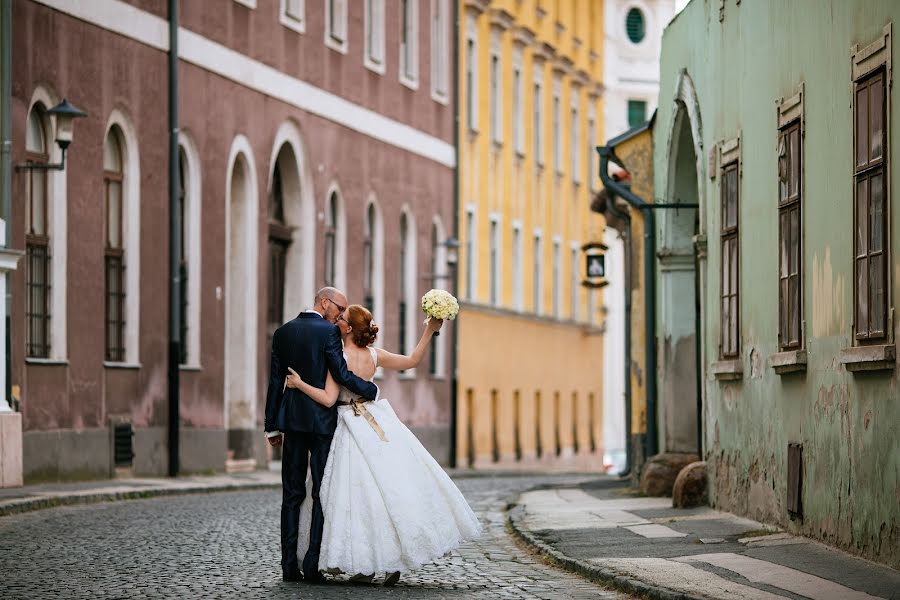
279, 242
369, 259
183, 270
190, 262
404, 283
113, 182
37, 239
331, 223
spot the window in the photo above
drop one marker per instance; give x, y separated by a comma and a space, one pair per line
336, 25
279, 242
114, 259
637, 112
574, 283
538, 123
374, 16
575, 139
331, 222
517, 266
538, 275
635, 26
369, 260
790, 259
471, 263
730, 305
409, 43
407, 306
518, 113
436, 274
37, 239
496, 99
870, 214
557, 129
592, 174
191, 226
183, 270
440, 50
495, 261
471, 84
404, 283
293, 14
557, 279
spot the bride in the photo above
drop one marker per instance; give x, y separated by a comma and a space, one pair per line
389, 507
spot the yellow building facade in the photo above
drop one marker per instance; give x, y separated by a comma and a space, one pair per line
530, 349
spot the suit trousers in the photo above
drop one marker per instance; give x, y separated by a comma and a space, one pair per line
299, 449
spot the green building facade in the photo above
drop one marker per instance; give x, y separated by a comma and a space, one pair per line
778, 119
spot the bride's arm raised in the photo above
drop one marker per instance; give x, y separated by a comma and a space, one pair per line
326, 397
399, 362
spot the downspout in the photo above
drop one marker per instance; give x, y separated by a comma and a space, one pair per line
174, 248
455, 274
6, 167
617, 188
626, 217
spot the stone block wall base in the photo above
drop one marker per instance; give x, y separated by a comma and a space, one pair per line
10, 449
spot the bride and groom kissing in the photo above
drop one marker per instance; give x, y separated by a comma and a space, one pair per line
375, 501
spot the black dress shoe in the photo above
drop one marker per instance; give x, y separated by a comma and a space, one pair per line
292, 576
316, 577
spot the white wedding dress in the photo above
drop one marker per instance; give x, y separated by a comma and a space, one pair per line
388, 505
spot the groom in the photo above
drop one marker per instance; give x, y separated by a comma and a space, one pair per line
311, 345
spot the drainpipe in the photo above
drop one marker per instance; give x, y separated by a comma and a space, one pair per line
454, 281
6, 168
626, 218
617, 188
175, 340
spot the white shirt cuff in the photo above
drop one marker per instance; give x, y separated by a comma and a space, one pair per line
271, 434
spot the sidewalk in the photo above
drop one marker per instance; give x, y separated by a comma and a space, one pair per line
36, 497
644, 546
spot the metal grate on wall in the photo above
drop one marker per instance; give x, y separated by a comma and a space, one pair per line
123, 444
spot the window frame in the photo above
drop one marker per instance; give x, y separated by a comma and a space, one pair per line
296, 23
409, 43
38, 248
114, 261
336, 34
374, 33
790, 204
440, 51
471, 76
729, 234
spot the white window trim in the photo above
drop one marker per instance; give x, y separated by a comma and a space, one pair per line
592, 175
557, 276
538, 269
368, 60
575, 132
342, 45
539, 133
496, 220
57, 226
194, 231
518, 104
556, 119
340, 236
472, 65
247, 3
472, 254
574, 282
298, 25
131, 226
412, 82
518, 295
412, 290
496, 100
440, 53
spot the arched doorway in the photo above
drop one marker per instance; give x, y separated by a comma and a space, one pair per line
240, 305
681, 286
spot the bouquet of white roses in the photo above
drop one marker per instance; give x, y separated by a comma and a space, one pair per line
440, 304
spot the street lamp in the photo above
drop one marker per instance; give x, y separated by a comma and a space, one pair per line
65, 114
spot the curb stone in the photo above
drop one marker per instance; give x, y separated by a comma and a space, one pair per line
585, 569
25, 505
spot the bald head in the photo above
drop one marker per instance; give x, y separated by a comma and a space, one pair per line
331, 303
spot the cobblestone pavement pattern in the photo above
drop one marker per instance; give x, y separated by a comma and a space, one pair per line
226, 545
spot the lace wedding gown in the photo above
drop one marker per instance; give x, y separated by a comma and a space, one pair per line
388, 505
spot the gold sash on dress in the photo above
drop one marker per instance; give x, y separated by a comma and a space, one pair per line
359, 409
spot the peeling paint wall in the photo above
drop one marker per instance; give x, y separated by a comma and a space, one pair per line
846, 422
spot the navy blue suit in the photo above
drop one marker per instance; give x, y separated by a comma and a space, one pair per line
312, 347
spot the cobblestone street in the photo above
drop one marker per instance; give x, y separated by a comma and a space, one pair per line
225, 545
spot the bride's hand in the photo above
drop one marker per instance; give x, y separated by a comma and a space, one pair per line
434, 325
293, 380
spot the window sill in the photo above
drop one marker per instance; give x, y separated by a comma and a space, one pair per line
62, 362
727, 370
293, 24
790, 361
121, 365
375, 67
869, 358
336, 45
440, 97
412, 84
189, 368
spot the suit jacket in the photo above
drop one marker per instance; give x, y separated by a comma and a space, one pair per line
312, 347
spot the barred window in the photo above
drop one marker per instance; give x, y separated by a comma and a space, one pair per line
37, 240
113, 180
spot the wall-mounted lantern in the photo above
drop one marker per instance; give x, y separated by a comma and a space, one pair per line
65, 115
594, 265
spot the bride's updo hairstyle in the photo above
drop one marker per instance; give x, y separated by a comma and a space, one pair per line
364, 330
